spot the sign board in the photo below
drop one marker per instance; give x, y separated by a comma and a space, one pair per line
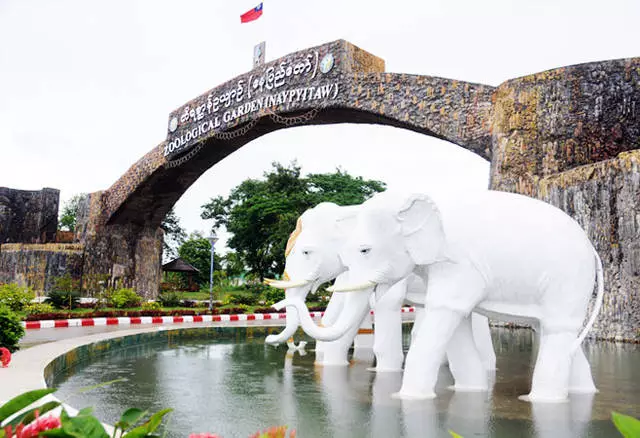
299, 81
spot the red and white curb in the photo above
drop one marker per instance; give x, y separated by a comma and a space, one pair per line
132, 320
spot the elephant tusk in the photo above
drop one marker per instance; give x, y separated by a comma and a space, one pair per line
352, 287
287, 284
268, 281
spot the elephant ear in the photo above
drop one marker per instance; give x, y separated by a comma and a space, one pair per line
346, 220
422, 230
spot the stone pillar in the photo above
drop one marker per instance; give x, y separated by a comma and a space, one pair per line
569, 137
118, 255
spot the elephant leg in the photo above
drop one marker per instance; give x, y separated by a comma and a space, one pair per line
550, 381
482, 339
465, 363
426, 352
336, 353
387, 342
363, 342
330, 315
581, 380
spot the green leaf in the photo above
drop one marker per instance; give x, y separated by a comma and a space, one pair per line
20, 402
150, 426
138, 432
84, 426
85, 411
100, 385
30, 415
156, 419
55, 433
130, 417
628, 426
454, 435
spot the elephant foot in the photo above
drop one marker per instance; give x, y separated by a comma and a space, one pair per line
384, 370
413, 396
544, 398
583, 390
340, 363
489, 366
468, 388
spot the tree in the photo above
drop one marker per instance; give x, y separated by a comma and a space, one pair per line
196, 250
174, 234
233, 264
261, 214
69, 216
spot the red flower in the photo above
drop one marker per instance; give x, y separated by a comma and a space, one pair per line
33, 429
5, 357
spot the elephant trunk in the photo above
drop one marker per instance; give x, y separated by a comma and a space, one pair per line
293, 321
354, 310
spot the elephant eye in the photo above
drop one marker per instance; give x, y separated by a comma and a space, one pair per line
364, 251
306, 252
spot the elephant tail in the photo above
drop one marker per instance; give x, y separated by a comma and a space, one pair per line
597, 305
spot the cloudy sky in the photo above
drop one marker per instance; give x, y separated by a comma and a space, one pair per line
86, 86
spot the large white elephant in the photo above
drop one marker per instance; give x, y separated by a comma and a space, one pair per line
313, 258
505, 255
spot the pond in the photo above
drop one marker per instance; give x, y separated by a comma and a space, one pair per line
227, 381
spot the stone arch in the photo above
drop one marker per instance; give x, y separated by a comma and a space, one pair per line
569, 136
354, 90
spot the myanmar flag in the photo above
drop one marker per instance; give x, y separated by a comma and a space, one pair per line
251, 15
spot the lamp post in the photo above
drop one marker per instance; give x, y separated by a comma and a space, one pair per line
213, 238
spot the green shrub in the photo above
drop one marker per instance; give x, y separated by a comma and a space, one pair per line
256, 288
123, 298
169, 299
10, 329
63, 299
37, 308
151, 305
243, 298
15, 297
65, 284
273, 295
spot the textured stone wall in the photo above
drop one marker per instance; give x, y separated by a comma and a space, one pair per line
605, 199
38, 265
117, 255
28, 216
570, 136
560, 119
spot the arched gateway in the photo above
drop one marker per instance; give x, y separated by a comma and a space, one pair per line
569, 136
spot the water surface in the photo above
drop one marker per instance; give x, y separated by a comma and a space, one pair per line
236, 385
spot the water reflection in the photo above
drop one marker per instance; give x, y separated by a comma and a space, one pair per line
235, 387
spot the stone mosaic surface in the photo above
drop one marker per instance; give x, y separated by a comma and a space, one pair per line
38, 265
605, 199
28, 216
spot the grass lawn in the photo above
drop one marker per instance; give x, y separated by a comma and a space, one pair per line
195, 295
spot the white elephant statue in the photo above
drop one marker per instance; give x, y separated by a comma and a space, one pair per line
313, 258
501, 254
